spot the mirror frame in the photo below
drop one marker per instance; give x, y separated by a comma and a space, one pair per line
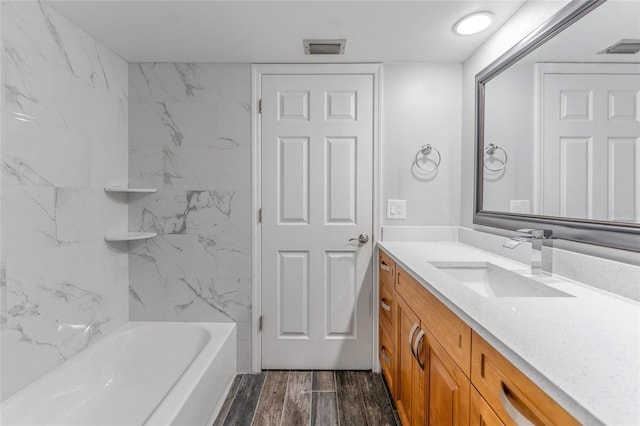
610, 234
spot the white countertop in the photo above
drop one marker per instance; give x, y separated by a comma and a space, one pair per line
583, 351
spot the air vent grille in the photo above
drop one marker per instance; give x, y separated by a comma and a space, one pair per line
324, 47
627, 46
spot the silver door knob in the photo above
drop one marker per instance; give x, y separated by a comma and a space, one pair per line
362, 238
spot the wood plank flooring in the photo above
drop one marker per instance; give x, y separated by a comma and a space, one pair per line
323, 398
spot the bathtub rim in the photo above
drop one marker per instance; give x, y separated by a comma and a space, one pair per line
219, 333
179, 393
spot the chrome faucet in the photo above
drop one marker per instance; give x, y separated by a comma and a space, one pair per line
536, 237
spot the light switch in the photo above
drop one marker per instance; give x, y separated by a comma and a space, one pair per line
396, 209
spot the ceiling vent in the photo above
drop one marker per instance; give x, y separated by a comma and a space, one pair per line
627, 46
324, 47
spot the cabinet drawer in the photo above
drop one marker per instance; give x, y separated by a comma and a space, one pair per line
386, 353
387, 268
448, 329
481, 413
509, 392
387, 306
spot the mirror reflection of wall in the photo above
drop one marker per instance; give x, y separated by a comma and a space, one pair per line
509, 124
568, 115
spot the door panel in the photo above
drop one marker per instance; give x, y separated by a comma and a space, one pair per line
293, 105
576, 171
624, 172
591, 146
293, 295
419, 396
405, 362
448, 388
341, 105
317, 158
341, 289
341, 180
293, 180
442, 389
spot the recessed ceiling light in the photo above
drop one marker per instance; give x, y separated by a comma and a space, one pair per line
473, 23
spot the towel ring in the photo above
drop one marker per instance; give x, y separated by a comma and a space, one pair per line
425, 150
491, 150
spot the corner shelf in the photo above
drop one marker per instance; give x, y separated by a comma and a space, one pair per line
129, 190
130, 236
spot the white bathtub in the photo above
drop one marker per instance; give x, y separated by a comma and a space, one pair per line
151, 373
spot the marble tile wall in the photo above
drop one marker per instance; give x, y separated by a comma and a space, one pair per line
64, 137
190, 137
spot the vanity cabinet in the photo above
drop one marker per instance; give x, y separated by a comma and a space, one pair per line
434, 390
387, 269
387, 293
430, 386
386, 314
447, 388
410, 387
514, 398
387, 354
480, 412
447, 328
442, 373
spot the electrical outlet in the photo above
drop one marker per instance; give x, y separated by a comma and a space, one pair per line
396, 209
520, 206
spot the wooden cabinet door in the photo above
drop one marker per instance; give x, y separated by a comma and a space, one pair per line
452, 333
408, 370
510, 393
420, 379
386, 354
481, 413
447, 388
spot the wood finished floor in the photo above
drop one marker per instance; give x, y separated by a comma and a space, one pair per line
274, 398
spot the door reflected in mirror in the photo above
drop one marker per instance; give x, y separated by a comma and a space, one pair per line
559, 127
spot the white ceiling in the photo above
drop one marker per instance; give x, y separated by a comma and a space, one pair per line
602, 27
272, 31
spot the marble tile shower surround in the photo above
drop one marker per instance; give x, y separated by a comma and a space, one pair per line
616, 277
64, 137
190, 138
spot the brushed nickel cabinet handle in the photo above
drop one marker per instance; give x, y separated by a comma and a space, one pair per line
385, 305
384, 266
384, 356
517, 415
411, 333
416, 345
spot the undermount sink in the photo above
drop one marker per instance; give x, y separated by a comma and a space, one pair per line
490, 280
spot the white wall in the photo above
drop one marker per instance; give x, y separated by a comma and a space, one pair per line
421, 104
64, 137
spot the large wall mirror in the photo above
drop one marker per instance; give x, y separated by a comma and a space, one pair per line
558, 128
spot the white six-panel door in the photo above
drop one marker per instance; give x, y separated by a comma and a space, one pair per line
317, 148
591, 146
